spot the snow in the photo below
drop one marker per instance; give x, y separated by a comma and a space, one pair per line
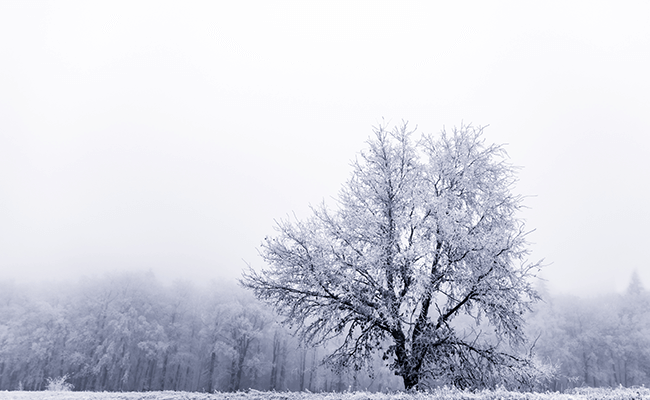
437, 394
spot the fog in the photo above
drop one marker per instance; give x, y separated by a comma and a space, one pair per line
169, 136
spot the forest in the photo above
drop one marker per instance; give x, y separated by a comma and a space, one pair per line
129, 332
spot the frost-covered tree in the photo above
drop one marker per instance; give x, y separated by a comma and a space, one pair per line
425, 232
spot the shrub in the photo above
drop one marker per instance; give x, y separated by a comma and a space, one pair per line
59, 384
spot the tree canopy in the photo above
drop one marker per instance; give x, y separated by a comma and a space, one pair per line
426, 236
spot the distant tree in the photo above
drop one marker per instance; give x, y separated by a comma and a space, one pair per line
279, 359
600, 341
635, 287
424, 232
244, 325
633, 339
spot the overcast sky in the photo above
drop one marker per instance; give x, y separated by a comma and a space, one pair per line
169, 135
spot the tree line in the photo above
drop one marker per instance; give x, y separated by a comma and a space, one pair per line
599, 341
128, 332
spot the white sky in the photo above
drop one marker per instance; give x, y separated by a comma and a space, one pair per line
169, 135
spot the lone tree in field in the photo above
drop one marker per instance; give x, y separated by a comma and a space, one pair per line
424, 232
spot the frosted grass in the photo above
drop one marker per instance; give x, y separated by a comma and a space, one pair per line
438, 394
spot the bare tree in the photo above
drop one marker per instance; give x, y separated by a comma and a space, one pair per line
424, 232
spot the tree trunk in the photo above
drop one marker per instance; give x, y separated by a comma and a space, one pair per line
303, 362
186, 387
283, 371
213, 358
238, 363
152, 366
233, 374
104, 378
410, 381
274, 362
240, 371
312, 371
405, 364
163, 374
135, 382
177, 378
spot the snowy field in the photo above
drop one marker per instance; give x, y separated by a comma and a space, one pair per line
439, 394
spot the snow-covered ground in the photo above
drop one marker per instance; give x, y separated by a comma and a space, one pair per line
439, 394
